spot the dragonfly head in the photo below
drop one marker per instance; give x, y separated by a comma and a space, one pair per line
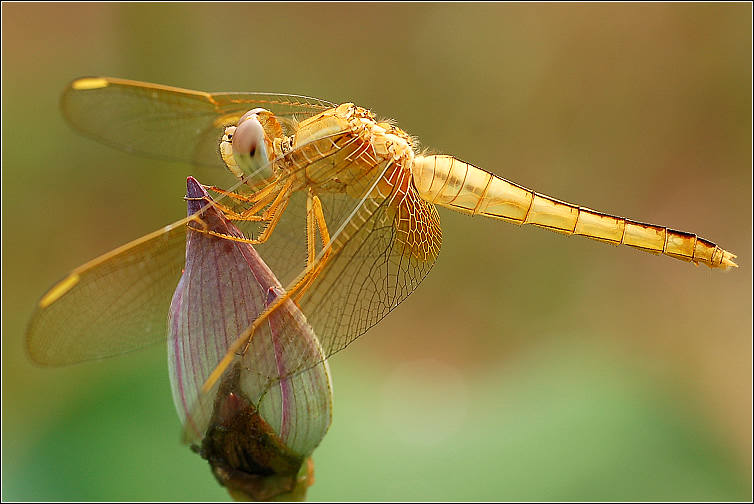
247, 147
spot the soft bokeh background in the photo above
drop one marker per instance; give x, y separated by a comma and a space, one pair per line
528, 365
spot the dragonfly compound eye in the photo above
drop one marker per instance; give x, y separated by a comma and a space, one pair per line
226, 151
248, 143
253, 112
249, 135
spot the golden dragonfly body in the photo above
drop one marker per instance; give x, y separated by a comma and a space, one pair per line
447, 181
364, 193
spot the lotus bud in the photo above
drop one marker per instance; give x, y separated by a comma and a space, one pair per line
261, 421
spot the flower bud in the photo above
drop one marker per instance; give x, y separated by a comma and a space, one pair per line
262, 420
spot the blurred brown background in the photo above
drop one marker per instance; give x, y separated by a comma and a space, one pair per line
528, 366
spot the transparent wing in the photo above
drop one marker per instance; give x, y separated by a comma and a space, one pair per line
119, 301
168, 122
386, 250
381, 249
384, 240
113, 304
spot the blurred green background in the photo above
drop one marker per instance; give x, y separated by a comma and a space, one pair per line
528, 365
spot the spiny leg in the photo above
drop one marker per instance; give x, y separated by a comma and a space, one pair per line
270, 199
314, 217
276, 212
315, 221
247, 215
313, 268
198, 220
271, 216
248, 198
260, 199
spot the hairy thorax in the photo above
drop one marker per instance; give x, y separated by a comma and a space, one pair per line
345, 149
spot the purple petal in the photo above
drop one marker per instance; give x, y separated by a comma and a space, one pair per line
224, 287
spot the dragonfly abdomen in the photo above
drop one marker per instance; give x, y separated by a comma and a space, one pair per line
460, 186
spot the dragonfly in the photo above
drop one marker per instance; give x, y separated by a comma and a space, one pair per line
342, 207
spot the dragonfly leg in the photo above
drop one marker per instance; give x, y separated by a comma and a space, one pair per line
281, 198
315, 221
314, 217
195, 218
271, 215
249, 198
246, 215
260, 199
241, 345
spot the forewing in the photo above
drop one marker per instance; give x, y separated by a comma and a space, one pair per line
167, 122
119, 301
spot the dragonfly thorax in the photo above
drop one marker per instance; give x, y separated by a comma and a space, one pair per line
352, 133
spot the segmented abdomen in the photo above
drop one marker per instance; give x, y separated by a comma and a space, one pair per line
460, 186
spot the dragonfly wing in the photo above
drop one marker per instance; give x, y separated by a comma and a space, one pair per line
111, 305
385, 250
381, 250
166, 122
119, 301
